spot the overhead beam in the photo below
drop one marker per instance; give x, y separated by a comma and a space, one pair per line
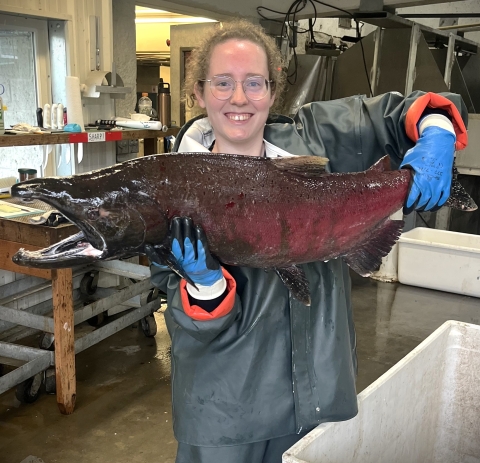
222, 11
439, 15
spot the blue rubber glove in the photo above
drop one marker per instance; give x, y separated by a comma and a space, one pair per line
432, 161
190, 248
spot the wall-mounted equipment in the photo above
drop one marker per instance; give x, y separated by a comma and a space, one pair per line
98, 82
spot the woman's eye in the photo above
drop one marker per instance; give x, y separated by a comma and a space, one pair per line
255, 85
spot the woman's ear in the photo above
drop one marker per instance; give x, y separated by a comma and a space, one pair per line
272, 100
199, 95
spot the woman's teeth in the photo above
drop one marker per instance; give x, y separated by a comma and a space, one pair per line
238, 117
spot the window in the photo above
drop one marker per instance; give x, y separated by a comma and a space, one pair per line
24, 72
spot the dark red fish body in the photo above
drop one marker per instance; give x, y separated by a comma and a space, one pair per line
258, 214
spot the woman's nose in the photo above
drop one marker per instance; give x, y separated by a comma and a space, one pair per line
238, 96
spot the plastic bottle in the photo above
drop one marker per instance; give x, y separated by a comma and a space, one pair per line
54, 115
47, 116
145, 105
60, 116
2, 120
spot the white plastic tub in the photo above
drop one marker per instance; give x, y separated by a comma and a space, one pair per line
425, 409
439, 259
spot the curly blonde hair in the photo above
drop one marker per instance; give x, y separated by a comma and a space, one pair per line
239, 29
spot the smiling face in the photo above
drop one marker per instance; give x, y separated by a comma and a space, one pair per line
238, 122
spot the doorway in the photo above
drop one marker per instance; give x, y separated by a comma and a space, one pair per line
157, 58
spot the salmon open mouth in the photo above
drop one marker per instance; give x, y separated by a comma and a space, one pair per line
74, 250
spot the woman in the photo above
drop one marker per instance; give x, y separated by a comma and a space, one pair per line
253, 369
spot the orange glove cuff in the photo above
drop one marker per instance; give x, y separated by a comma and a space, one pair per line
197, 313
434, 100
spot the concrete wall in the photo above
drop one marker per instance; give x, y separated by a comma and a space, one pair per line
153, 36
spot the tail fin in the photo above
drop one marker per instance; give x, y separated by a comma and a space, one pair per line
459, 198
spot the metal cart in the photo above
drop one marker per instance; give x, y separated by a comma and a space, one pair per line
135, 300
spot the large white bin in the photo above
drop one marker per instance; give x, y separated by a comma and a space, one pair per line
440, 259
425, 409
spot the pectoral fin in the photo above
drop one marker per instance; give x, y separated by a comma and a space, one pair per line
367, 258
295, 280
161, 255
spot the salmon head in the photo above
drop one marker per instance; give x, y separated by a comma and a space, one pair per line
114, 214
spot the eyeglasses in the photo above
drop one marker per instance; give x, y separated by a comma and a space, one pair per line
223, 87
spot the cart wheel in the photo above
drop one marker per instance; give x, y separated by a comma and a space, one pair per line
97, 319
46, 341
50, 381
88, 285
149, 326
29, 391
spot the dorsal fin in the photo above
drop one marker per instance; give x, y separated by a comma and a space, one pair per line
383, 165
306, 166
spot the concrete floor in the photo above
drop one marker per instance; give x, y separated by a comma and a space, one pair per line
123, 412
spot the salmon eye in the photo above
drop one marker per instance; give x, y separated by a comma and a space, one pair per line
93, 214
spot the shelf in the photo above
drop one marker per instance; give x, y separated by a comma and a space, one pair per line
83, 137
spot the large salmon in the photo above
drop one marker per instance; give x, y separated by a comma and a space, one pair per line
256, 212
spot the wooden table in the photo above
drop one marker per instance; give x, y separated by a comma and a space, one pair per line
18, 233
68, 137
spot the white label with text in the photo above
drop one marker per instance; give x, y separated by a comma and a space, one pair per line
96, 136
